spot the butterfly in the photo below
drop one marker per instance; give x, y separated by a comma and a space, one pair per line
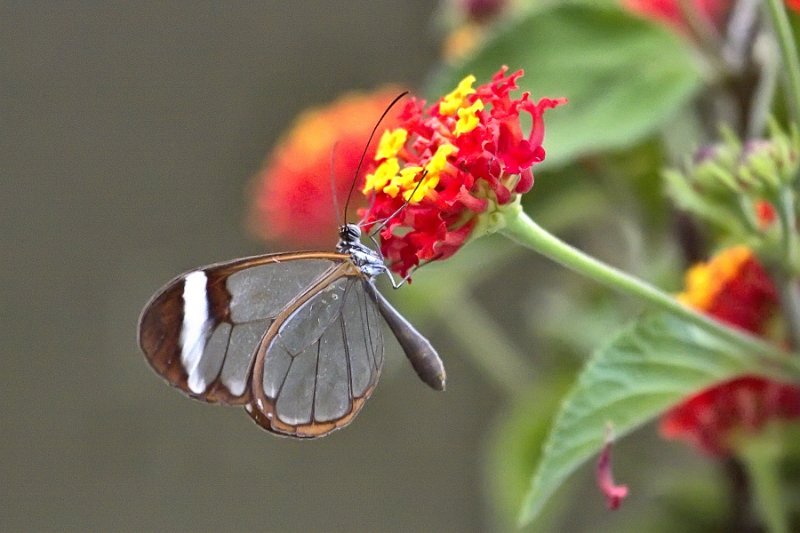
294, 337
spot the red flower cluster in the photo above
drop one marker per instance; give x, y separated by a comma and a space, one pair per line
734, 288
293, 200
745, 404
449, 164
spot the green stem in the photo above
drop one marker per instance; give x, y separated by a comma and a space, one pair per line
791, 63
484, 345
786, 214
764, 92
761, 459
526, 232
783, 274
790, 305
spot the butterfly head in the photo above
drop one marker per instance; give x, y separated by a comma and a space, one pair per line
349, 234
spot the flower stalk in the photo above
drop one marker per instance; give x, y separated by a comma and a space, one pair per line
789, 296
485, 346
785, 206
523, 230
761, 457
791, 63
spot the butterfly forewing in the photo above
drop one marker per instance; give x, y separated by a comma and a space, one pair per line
321, 360
202, 330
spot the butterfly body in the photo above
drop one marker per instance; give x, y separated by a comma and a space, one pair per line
294, 337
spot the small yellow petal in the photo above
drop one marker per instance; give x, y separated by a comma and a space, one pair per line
453, 100
438, 162
392, 189
406, 179
468, 118
428, 184
385, 172
390, 144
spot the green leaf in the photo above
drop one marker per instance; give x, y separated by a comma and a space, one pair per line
624, 76
646, 369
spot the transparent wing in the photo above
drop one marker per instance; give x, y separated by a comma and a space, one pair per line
318, 366
201, 331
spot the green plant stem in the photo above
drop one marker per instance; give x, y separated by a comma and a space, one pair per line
764, 92
791, 64
484, 345
786, 213
761, 460
450, 302
526, 232
790, 305
784, 273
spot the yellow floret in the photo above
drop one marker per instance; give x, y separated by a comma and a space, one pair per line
406, 179
455, 99
385, 172
468, 118
390, 144
438, 162
428, 184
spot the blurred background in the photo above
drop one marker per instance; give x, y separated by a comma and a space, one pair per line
129, 135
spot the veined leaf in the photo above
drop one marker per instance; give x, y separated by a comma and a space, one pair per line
646, 369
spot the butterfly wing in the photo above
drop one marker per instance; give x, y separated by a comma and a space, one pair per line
320, 360
202, 330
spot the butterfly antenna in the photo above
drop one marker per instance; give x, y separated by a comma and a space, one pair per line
366, 147
333, 184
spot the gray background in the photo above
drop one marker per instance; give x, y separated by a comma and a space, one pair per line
128, 132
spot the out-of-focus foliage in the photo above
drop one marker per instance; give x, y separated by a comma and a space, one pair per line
624, 76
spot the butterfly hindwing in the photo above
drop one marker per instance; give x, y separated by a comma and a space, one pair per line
202, 330
320, 360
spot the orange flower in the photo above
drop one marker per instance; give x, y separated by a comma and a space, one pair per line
734, 288
292, 193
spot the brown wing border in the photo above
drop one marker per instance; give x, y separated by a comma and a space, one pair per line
158, 333
261, 408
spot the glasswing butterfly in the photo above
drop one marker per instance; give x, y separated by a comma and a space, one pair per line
294, 337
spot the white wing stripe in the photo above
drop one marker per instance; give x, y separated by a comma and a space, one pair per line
195, 320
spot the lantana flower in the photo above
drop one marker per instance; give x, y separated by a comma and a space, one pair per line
734, 288
449, 171
293, 202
